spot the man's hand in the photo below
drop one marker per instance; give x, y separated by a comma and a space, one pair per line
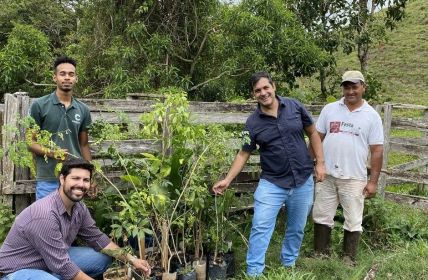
142, 265
320, 171
60, 154
370, 190
221, 186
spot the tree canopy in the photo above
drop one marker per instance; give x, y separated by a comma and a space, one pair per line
206, 47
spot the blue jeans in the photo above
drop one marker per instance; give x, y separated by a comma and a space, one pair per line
87, 259
43, 188
268, 199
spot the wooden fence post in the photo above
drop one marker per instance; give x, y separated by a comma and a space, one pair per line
387, 118
10, 119
16, 107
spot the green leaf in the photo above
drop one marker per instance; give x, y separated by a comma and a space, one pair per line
136, 181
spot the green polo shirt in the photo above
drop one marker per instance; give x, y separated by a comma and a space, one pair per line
64, 124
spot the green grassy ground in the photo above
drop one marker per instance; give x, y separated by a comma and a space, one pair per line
394, 246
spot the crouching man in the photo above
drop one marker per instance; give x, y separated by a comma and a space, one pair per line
38, 245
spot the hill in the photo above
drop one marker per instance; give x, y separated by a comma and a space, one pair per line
401, 63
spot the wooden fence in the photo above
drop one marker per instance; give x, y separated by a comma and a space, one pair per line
17, 188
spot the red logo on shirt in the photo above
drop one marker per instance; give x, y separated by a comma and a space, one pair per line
334, 127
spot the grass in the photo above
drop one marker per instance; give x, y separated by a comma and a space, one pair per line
399, 64
407, 113
396, 158
405, 133
394, 245
408, 188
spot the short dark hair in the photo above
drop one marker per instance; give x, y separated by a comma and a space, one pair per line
63, 59
69, 164
256, 77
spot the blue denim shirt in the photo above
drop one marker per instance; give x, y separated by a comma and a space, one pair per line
284, 155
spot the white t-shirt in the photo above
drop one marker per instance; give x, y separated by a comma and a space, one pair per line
348, 136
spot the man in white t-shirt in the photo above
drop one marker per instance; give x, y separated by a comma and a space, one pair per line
350, 128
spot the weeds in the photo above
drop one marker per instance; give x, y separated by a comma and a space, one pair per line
6, 221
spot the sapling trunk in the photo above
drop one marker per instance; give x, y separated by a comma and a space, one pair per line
164, 246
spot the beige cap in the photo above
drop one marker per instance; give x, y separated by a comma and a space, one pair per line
352, 76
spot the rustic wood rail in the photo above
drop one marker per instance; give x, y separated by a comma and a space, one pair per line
16, 184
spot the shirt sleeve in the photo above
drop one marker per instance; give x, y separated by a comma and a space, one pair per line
376, 131
35, 113
46, 238
321, 125
87, 120
91, 233
305, 115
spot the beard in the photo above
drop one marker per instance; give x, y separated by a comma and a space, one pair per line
70, 193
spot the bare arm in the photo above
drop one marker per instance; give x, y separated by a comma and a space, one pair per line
139, 264
375, 168
82, 276
315, 148
42, 151
238, 163
84, 145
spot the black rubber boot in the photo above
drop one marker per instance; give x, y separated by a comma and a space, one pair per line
350, 246
322, 237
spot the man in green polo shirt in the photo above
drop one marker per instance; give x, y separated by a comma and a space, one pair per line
66, 118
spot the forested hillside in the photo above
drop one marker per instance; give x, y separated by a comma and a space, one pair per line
401, 64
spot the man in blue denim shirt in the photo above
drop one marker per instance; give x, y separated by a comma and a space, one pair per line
277, 128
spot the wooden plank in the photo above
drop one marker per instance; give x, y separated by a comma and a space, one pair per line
28, 186
125, 147
422, 141
387, 119
411, 177
408, 106
1, 143
409, 123
122, 105
247, 187
21, 187
10, 119
23, 106
411, 165
219, 118
144, 96
409, 148
407, 128
411, 200
197, 118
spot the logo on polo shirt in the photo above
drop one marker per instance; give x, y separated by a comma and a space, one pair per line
334, 127
77, 118
344, 127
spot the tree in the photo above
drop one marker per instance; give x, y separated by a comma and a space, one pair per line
256, 35
54, 18
25, 58
368, 24
324, 20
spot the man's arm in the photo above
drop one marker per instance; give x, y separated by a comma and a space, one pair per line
84, 145
376, 159
39, 150
82, 276
238, 163
315, 145
139, 264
